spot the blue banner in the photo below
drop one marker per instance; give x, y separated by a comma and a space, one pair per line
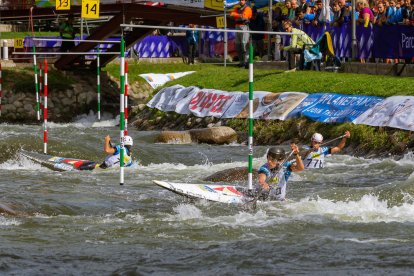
334, 108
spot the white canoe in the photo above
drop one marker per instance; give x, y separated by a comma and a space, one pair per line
217, 193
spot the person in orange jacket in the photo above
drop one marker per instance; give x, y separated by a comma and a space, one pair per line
241, 16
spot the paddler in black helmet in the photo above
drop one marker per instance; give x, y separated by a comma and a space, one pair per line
273, 176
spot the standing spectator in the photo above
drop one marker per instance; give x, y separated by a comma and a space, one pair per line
192, 40
390, 12
277, 26
317, 11
257, 24
380, 17
411, 14
338, 17
303, 6
291, 10
365, 13
242, 16
67, 31
298, 41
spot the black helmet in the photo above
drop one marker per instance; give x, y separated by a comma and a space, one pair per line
276, 153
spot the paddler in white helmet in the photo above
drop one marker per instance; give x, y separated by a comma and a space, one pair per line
114, 153
314, 158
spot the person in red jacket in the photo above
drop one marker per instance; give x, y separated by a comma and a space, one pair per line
241, 16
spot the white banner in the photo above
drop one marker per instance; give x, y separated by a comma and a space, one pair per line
182, 105
186, 3
210, 102
396, 111
283, 105
241, 100
157, 80
161, 99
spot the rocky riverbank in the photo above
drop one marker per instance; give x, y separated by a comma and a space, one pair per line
365, 140
74, 93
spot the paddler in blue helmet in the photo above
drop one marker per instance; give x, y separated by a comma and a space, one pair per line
314, 158
114, 153
273, 176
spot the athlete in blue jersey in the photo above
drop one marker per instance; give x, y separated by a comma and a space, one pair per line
314, 158
114, 153
273, 176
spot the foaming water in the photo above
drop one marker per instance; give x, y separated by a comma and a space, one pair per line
85, 222
369, 209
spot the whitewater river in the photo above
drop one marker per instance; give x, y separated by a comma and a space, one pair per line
355, 217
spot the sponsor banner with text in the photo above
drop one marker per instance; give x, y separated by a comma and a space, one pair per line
396, 111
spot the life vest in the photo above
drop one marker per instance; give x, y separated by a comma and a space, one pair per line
113, 160
316, 159
277, 179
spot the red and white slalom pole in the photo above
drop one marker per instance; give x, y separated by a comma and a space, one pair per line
45, 111
126, 98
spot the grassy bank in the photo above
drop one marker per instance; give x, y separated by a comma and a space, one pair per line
365, 139
21, 79
235, 79
12, 35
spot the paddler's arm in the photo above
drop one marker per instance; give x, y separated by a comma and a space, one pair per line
298, 166
341, 144
262, 181
108, 149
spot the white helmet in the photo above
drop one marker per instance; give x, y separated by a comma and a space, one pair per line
128, 141
317, 137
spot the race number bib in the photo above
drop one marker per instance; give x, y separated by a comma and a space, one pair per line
313, 163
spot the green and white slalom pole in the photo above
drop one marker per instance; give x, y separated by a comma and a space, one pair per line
36, 83
250, 141
122, 110
98, 82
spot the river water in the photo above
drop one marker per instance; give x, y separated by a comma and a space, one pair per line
356, 216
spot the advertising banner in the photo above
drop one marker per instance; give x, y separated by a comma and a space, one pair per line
211, 102
336, 108
396, 111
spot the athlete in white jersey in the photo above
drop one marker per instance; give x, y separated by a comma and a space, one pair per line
114, 153
314, 158
273, 176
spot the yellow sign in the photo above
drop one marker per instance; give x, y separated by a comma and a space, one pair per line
62, 5
90, 9
220, 21
18, 43
217, 5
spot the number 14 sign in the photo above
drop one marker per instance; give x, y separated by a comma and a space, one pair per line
90, 9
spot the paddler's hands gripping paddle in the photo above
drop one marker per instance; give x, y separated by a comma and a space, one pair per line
259, 193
